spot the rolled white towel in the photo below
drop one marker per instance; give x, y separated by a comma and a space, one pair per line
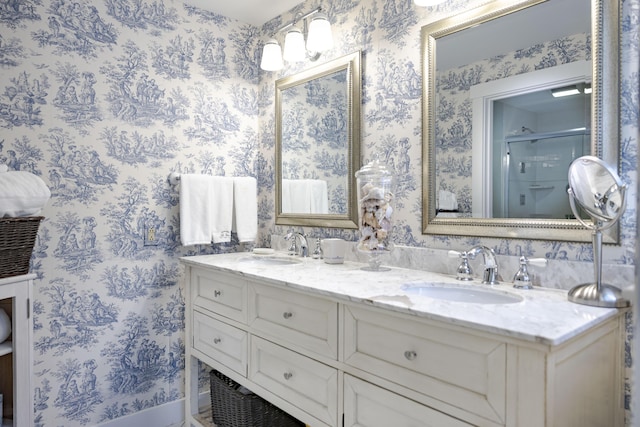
22, 194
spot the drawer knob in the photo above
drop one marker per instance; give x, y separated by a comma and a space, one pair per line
410, 354
287, 375
287, 315
217, 293
216, 340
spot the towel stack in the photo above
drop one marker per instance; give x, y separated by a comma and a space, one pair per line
21, 193
213, 206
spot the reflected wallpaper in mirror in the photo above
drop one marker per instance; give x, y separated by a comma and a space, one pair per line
474, 77
318, 144
315, 146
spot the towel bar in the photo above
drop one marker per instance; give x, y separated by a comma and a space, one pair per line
174, 178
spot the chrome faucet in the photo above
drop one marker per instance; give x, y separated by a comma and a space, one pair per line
296, 238
490, 276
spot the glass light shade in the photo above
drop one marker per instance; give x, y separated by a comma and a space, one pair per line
427, 3
294, 50
320, 37
271, 56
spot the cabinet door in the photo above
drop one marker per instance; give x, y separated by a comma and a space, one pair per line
304, 382
461, 369
220, 293
366, 405
220, 342
301, 320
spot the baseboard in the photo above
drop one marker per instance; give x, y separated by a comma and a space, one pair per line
168, 414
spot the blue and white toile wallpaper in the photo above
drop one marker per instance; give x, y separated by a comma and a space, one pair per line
104, 98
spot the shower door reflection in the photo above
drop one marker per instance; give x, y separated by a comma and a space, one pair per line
535, 179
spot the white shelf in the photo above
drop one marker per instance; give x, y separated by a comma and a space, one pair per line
6, 348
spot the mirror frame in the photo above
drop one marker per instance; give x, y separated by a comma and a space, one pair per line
352, 64
605, 132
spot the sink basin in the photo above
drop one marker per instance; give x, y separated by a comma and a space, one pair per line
271, 260
448, 292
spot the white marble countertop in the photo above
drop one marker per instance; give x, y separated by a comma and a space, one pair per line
543, 315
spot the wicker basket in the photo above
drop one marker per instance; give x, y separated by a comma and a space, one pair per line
235, 406
17, 237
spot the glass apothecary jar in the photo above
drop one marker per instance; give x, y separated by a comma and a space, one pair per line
375, 185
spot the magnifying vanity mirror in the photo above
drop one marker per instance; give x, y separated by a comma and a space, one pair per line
598, 191
318, 144
497, 140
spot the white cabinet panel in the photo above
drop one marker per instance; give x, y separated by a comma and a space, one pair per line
302, 320
220, 293
367, 405
221, 342
459, 368
304, 382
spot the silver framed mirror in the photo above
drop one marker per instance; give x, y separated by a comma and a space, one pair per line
317, 122
601, 122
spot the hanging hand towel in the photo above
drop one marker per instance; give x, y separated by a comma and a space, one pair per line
222, 201
245, 202
319, 197
196, 209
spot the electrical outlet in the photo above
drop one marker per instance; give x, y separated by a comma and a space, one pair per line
150, 236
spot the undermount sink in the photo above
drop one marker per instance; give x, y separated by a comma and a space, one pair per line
271, 260
448, 292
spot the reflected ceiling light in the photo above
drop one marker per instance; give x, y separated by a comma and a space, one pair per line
565, 91
271, 56
587, 89
319, 39
427, 3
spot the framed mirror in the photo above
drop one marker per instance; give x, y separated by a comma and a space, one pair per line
496, 151
318, 144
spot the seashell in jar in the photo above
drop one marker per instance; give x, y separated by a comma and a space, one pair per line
374, 193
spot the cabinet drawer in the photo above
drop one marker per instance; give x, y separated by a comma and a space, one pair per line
301, 320
220, 293
306, 383
462, 370
221, 342
368, 405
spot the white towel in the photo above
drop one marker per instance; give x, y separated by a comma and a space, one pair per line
196, 209
300, 196
285, 195
319, 198
222, 209
245, 203
22, 194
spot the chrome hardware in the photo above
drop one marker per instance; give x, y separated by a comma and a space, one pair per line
317, 252
216, 340
464, 271
410, 355
522, 279
217, 293
296, 238
287, 375
490, 275
287, 315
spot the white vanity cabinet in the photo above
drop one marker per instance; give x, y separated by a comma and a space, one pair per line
16, 358
336, 360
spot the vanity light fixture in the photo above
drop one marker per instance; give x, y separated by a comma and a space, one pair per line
427, 3
565, 91
319, 39
271, 56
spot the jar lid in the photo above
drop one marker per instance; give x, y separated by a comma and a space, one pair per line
374, 168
